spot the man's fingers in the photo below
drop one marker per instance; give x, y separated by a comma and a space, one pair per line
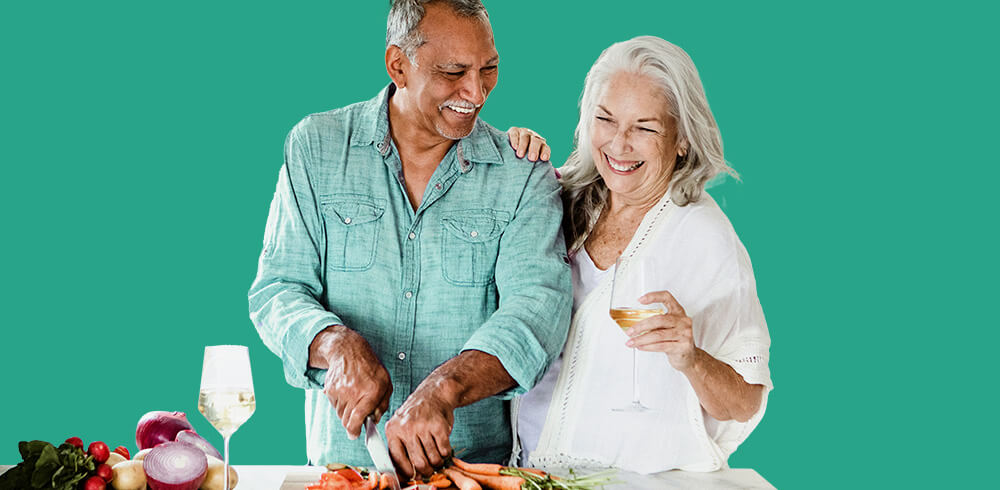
356, 417
400, 457
415, 451
435, 457
673, 307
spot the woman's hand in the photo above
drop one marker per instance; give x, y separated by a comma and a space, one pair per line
525, 141
669, 333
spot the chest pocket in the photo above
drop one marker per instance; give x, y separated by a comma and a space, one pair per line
471, 241
352, 229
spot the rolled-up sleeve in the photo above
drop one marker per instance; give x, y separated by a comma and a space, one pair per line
533, 280
284, 297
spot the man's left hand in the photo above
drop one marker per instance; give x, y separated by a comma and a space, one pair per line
418, 433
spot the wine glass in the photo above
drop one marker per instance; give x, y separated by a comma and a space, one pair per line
226, 398
627, 311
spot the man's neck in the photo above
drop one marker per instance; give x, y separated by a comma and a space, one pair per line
418, 147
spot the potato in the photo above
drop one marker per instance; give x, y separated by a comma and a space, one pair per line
214, 477
114, 459
128, 475
139, 456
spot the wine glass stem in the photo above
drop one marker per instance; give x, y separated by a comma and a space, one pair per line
225, 466
635, 378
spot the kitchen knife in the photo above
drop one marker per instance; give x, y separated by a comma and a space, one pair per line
379, 452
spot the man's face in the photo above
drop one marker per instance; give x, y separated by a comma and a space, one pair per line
456, 68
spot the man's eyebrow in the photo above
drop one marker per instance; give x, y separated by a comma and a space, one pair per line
452, 66
494, 60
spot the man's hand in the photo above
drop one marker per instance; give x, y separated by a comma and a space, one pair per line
525, 141
418, 433
357, 384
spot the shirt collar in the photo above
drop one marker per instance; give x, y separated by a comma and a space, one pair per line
373, 129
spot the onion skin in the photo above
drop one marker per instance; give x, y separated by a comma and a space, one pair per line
158, 427
192, 437
175, 466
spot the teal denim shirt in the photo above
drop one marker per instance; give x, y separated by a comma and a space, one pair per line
481, 264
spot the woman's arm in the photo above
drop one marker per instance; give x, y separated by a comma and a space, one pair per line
721, 391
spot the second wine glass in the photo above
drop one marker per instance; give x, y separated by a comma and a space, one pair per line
226, 398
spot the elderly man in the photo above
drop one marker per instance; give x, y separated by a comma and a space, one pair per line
412, 266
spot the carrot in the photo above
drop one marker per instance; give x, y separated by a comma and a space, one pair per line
477, 468
496, 482
461, 481
439, 483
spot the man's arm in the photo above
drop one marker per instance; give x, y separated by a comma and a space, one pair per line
284, 302
510, 351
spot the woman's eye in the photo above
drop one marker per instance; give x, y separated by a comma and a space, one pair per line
604, 119
649, 130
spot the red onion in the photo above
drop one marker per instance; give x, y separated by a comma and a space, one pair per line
159, 427
192, 437
175, 466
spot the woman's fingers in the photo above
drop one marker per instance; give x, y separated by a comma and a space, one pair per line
673, 307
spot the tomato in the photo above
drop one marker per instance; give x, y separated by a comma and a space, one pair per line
349, 475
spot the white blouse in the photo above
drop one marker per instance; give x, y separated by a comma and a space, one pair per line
566, 420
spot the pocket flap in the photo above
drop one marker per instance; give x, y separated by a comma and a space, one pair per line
474, 228
353, 212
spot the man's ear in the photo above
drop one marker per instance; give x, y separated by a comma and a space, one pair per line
397, 65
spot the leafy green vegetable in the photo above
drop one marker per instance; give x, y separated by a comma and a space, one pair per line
45, 466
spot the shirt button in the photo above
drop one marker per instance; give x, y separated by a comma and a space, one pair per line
437, 186
474, 234
401, 356
408, 295
347, 221
412, 235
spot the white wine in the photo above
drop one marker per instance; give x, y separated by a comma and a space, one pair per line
627, 317
226, 409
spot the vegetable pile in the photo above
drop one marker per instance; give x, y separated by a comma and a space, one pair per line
171, 457
463, 476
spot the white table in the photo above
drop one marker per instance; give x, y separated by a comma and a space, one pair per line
258, 477
271, 477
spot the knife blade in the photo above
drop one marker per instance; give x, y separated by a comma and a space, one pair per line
379, 452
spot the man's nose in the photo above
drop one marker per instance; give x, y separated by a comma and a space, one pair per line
473, 88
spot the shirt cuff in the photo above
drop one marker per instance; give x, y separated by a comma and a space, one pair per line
523, 362
296, 352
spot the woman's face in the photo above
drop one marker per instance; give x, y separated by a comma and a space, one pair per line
634, 139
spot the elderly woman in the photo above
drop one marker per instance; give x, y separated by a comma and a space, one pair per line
634, 193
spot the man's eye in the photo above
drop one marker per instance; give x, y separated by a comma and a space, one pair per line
455, 73
489, 69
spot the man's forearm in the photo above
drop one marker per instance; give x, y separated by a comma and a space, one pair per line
467, 378
721, 390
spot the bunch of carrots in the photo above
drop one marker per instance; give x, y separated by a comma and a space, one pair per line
464, 476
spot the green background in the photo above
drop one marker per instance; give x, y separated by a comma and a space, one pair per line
141, 144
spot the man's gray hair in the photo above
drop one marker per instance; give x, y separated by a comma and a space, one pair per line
673, 71
404, 16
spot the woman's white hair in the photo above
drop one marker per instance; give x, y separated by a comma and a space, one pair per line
584, 192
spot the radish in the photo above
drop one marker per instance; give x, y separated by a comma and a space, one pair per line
99, 451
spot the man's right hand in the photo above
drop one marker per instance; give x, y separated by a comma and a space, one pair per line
357, 383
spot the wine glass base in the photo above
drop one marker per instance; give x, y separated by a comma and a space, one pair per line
634, 407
